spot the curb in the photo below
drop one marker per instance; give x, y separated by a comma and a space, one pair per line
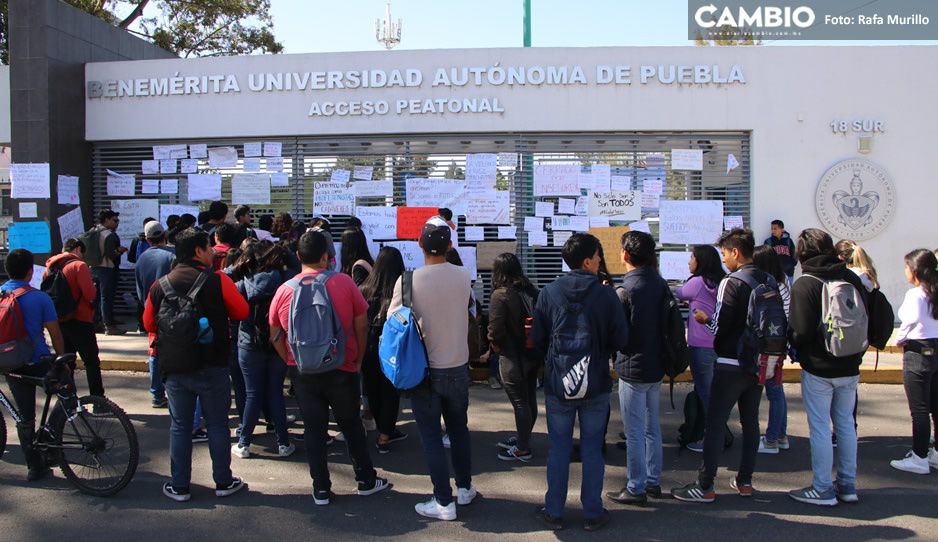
790, 375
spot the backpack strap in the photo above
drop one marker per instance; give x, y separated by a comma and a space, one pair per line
197, 285
23, 290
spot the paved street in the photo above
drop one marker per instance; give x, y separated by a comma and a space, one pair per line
894, 505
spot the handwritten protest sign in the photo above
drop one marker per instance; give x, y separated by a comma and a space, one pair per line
378, 223
616, 205
611, 240
373, 189
333, 199
481, 170
489, 207
67, 187
449, 193
250, 188
691, 222
673, 265
687, 159
133, 212
204, 186
71, 224
410, 251
556, 180
410, 221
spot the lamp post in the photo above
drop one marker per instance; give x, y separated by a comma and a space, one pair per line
388, 32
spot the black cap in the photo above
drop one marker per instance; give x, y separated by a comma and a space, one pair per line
435, 237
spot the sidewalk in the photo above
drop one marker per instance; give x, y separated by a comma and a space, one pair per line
129, 353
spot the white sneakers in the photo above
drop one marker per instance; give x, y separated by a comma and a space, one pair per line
766, 447
465, 496
285, 451
433, 509
915, 464
933, 458
243, 452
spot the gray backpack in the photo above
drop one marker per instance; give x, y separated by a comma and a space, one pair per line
844, 320
315, 336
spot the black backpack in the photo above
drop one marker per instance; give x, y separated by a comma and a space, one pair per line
132, 251
695, 423
675, 355
56, 286
766, 329
882, 319
177, 335
260, 310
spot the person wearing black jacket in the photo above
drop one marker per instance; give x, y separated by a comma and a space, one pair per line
828, 383
512, 293
734, 380
780, 241
640, 369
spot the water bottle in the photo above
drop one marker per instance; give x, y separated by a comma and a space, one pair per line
205, 332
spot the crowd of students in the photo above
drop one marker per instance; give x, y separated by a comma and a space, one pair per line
230, 307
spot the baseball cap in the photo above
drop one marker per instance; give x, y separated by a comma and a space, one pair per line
153, 230
435, 237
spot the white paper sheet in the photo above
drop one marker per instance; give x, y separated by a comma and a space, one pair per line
251, 165
566, 206
533, 223
537, 238
378, 223
620, 183
544, 208
468, 257
449, 193
474, 233
508, 159
30, 181
373, 189
150, 167
641, 225
29, 209
166, 210
198, 150
252, 149
250, 188
189, 165
507, 232
333, 199
67, 188
732, 221
273, 164
168, 167
687, 159
570, 223
340, 176
273, 149
222, 157
169, 186
556, 180
149, 186
71, 224
279, 180
481, 170
362, 173
673, 265
561, 237
691, 222
121, 185
489, 208
204, 186
133, 212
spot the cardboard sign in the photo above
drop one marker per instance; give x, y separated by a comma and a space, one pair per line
410, 221
486, 252
611, 240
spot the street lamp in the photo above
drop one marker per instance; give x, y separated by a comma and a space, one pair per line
388, 32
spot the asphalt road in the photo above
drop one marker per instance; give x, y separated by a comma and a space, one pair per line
894, 505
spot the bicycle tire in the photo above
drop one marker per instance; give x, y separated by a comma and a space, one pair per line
3, 434
99, 449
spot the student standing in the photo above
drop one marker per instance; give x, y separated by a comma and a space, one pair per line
918, 336
700, 292
384, 399
106, 268
734, 380
776, 431
780, 241
640, 369
78, 327
38, 314
356, 260
337, 389
828, 382
152, 265
579, 323
440, 299
510, 308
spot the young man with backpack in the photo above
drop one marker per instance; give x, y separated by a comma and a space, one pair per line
24, 314
189, 311
440, 299
226, 239
829, 332
640, 368
746, 297
153, 264
318, 322
103, 252
579, 324
68, 282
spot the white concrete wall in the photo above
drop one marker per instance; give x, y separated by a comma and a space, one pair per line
790, 97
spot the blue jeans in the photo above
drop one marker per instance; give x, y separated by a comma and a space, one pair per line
778, 411
107, 278
561, 416
237, 377
640, 404
264, 373
826, 399
212, 387
157, 390
446, 395
702, 361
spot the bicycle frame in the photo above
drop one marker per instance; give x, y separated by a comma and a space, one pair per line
43, 426
10, 408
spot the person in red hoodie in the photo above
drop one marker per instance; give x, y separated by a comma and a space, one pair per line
78, 327
226, 238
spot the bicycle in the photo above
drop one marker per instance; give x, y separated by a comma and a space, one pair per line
90, 438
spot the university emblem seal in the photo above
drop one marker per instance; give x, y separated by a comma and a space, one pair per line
856, 199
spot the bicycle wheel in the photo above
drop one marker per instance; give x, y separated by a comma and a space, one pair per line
97, 448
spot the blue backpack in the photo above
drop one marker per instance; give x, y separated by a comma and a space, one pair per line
402, 351
315, 336
577, 363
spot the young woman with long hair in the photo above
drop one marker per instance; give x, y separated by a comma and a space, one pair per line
356, 260
261, 267
700, 292
918, 337
776, 431
859, 262
512, 302
383, 398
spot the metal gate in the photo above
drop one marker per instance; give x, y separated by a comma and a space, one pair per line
397, 158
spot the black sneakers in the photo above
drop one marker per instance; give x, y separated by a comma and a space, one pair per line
370, 488
235, 486
597, 523
552, 523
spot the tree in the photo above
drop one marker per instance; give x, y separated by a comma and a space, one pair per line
185, 27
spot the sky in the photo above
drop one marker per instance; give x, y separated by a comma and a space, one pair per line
310, 26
